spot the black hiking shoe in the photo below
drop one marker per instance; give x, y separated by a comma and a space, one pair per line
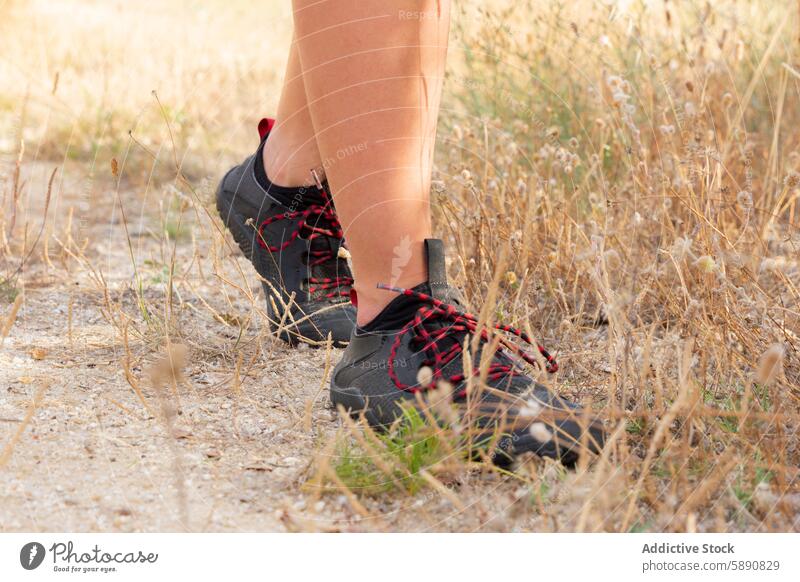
379, 374
296, 245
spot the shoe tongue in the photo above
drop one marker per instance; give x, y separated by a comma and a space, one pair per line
322, 244
313, 195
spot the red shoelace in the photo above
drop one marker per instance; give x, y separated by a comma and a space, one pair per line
430, 337
325, 225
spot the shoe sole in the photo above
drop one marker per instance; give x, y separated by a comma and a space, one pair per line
355, 404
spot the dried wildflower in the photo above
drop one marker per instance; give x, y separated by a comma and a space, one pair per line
777, 264
681, 247
727, 100
706, 264
745, 199
666, 129
792, 180
425, 376
511, 278
620, 93
465, 175
542, 154
573, 142
441, 400
532, 409
540, 432
770, 364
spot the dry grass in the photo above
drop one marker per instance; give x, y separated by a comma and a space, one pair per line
623, 180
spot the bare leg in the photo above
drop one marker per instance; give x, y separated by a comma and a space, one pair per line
373, 75
291, 151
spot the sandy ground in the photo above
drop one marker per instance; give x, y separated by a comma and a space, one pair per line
93, 459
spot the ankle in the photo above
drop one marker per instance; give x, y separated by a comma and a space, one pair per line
369, 308
288, 162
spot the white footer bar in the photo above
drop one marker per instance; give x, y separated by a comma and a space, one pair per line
400, 557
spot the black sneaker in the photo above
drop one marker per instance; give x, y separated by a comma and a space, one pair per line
380, 373
295, 242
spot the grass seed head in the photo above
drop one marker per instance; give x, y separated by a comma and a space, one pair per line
540, 432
